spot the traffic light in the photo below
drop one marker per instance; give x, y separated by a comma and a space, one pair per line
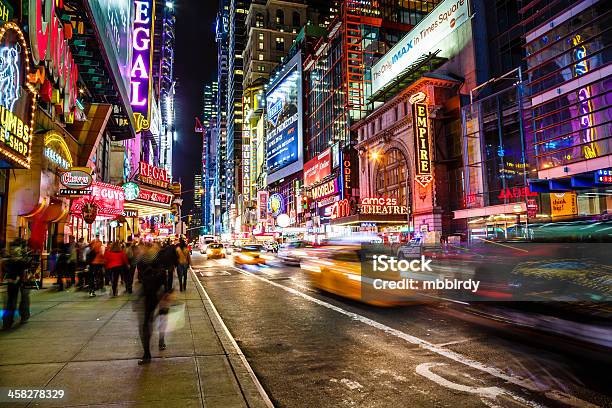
305, 202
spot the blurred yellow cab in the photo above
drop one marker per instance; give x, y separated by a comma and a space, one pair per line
250, 254
215, 251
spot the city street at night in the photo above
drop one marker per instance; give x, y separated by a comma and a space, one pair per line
310, 348
305, 203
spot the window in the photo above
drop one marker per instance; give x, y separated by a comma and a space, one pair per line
296, 19
260, 57
391, 176
280, 44
280, 17
259, 20
261, 37
261, 45
261, 68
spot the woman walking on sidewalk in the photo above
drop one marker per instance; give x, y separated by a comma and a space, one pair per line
95, 260
14, 270
184, 262
115, 262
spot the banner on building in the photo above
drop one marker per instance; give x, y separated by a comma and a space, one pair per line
318, 168
563, 204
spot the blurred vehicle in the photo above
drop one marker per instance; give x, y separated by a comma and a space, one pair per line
291, 253
345, 270
229, 249
271, 246
250, 254
215, 251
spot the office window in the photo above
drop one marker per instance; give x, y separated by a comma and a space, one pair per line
259, 20
260, 56
261, 37
296, 19
280, 44
280, 17
261, 68
261, 45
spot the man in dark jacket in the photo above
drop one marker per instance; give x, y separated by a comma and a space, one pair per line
15, 271
169, 261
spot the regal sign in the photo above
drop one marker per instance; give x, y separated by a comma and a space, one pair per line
421, 139
142, 60
50, 47
382, 206
153, 176
17, 98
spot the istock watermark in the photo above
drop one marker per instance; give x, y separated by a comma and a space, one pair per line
406, 270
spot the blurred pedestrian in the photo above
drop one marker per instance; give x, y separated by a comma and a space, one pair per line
95, 260
81, 249
61, 265
115, 263
131, 251
152, 274
15, 270
72, 261
169, 261
184, 262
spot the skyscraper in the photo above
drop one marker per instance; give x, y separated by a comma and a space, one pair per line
209, 102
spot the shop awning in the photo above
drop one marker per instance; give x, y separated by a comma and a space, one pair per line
146, 210
371, 218
512, 208
88, 133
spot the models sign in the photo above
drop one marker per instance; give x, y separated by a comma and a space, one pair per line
17, 99
284, 122
142, 60
425, 37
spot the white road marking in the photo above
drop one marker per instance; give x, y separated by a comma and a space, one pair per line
246, 364
450, 343
492, 393
495, 372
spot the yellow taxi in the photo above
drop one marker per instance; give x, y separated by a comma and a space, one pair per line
215, 251
251, 254
340, 270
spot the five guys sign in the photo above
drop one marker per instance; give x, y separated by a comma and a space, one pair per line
142, 60
153, 176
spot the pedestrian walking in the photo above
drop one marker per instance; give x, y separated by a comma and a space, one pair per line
95, 261
184, 262
72, 261
15, 270
169, 261
61, 266
115, 263
131, 251
82, 249
152, 275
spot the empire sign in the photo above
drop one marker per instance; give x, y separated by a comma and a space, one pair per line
421, 137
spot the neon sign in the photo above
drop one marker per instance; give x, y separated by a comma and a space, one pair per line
422, 151
152, 175
57, 151
16, 107
382, 206
142, 60
276, 204
50, 45
585, 106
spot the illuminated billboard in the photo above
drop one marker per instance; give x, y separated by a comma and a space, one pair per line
284, 122
429, 35
114, 22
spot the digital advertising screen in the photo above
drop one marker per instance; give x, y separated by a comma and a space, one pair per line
284, 122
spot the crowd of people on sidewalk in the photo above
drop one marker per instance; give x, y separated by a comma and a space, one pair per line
97, 266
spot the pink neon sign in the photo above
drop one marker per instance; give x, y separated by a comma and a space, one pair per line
142, 46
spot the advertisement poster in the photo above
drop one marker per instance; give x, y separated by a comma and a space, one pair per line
563, 204
284, 123
108, 198
262, 206
318, 168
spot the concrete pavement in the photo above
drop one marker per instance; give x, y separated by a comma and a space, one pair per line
89, 347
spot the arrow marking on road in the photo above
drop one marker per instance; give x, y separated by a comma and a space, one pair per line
451, 355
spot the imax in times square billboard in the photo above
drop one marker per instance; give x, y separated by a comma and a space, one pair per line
284, 122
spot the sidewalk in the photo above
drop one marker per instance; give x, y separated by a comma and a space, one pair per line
89, 347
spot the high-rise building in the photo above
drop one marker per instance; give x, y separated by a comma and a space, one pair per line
209, 102
221, 209
238, 12
166, 84
197, 192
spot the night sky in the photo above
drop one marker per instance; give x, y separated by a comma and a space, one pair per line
195, 65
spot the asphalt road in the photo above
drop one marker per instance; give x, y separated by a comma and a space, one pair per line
313, 349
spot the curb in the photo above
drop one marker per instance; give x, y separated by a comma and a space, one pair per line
254, 393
